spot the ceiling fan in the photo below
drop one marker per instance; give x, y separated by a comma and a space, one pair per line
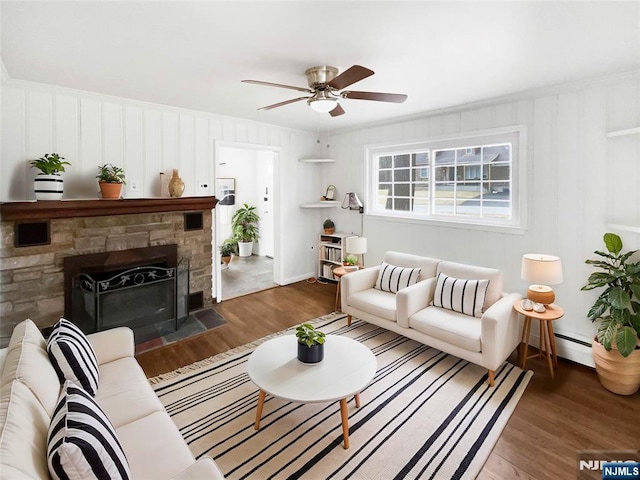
325, 85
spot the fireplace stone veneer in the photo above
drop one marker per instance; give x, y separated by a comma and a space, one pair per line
32, 277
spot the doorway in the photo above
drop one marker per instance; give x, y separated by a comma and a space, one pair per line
244, 174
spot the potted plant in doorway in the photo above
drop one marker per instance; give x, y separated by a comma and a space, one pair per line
310, 343
616, 348
48, 184
110, 179
228, 248
244, 225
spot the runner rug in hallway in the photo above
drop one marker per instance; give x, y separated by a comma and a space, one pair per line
426, 414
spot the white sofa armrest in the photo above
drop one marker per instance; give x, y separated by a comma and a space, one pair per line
113, 344
357, 282
500, 331
412, 299
205, 467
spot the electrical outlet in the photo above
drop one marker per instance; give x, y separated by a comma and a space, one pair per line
134, 186
203, 187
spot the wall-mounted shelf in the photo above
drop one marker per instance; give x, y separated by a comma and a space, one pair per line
322, 204
317, 160
621, 133
624, 228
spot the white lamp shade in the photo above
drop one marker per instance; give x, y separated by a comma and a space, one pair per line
541, 269
323, 105
357, 245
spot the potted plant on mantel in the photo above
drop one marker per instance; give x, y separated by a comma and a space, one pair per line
228, 248
245, 229
616, 348
48, 184
310, 343
110, 179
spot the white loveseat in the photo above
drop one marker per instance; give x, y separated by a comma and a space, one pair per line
29, 390
486, 341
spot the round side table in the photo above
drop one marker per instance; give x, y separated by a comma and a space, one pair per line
339, 272
547, 346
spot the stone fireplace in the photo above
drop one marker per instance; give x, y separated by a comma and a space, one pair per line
39, 238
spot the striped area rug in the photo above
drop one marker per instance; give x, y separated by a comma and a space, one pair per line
426, 414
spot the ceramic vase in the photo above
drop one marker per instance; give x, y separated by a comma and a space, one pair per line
312, 354
48, 187
176, 185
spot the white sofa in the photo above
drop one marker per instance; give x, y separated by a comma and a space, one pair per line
486, 341
29, 390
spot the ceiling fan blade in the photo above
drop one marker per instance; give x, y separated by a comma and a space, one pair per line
279, 85
337, 111
379, 97
286, 102
350, 76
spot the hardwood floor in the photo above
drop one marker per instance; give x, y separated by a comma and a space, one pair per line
553, 421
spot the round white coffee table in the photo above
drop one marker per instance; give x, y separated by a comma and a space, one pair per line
347, 368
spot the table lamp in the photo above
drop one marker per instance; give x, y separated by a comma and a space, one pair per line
541, 270
357, 246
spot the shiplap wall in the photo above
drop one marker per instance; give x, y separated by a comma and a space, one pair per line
578, 181
145, 139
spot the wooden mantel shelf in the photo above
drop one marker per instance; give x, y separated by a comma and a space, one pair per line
47, 210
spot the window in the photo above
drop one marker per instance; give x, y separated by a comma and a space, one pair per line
466, 179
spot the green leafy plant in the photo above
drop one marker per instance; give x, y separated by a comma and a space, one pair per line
309, 336
110, 174
350, 260
617, 309
50, 164
229, 247
244, 224
328, 223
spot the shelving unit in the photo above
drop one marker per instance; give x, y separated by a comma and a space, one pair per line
622, 133
317, 160
332, 250
321, 204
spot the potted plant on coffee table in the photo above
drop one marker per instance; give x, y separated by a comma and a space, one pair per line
244, 225
616, 348
228, 248
310, 343
48, 184
110, 178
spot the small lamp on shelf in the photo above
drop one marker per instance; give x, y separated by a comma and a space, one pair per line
541, 270
357, 246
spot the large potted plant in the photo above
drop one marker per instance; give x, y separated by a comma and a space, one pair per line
110, 179
48, 184
310, 343
244, 225
616, 348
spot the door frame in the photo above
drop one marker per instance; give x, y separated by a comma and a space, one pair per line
277, 258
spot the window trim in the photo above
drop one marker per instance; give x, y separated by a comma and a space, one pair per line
518, 222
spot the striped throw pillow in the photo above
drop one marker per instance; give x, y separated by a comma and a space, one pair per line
392, 278
460, 295
72, 356
82, 443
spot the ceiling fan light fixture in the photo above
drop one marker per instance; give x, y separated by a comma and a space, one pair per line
322, 105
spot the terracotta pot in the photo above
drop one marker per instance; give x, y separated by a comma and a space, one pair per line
329, 231
226, 260
110, 190
617, 374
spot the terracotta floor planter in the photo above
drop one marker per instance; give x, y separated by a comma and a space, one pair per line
617, 374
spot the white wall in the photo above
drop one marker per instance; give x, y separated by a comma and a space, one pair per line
90, 129
579, 182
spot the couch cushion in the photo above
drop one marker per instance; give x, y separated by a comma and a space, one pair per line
154, 447
460, 270
28, 362
392, 278
23, 438
125, 394
376, 302
428, 266
460, 295
449, 326
27, 331
72, 356
82, 443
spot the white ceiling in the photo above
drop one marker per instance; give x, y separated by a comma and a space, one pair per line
194, 54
